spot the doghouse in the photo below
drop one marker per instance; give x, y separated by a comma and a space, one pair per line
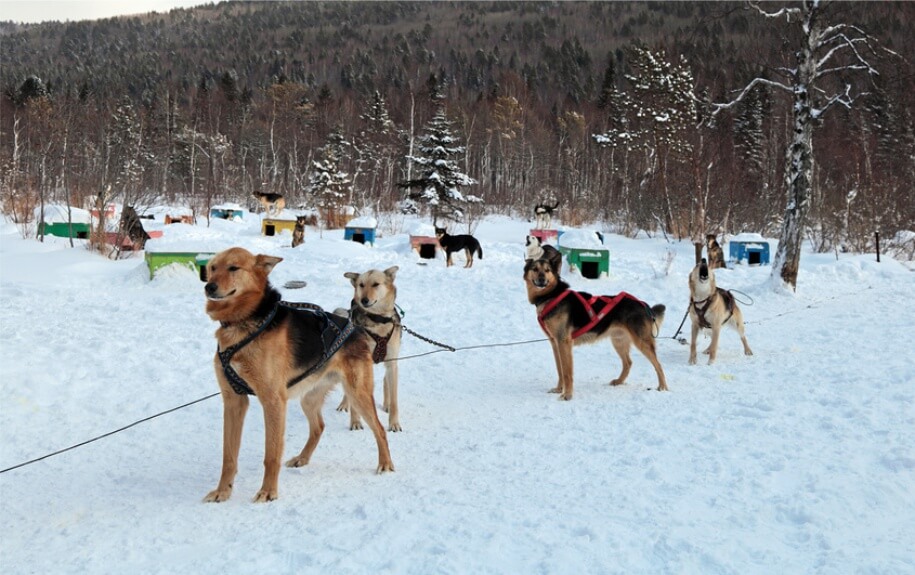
227, 212
58, 221
271, 227
545, 235
585, 252
361, 230
423, 241
751, 249
196, 261
126, 242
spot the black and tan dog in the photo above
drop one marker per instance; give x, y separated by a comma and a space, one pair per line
571, 318
534, 249
298, 233
277, 350
711, 308
373, 309
272, 204
452, 244
714, 252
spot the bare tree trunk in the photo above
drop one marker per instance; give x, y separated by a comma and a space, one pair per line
799, 172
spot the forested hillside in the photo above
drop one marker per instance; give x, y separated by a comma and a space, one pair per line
600, 105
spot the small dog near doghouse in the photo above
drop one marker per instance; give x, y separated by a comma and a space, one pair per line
277, 350
711, 308
272, 204
714, 252
543, 214
534, 249
373, 308
298, 233
451, 244
570, 318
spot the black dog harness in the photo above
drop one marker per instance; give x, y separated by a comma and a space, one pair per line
334, 333
700, 310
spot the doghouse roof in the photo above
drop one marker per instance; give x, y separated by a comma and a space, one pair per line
748, 237
57, 214
363, 222
580, 240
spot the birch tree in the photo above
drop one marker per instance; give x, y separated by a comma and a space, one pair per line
827, 56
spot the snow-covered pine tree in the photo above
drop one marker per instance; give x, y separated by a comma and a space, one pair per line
440, 178
330, 186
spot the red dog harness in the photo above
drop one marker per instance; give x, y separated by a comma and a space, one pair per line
609, 303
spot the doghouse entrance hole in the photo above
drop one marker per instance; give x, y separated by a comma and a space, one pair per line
82, 235
269, 230
203, 273
754, 258
359, 238
590, 270
427, 251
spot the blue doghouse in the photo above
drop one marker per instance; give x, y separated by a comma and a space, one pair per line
361, 230
751, 249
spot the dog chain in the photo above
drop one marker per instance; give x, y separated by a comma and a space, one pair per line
426, 339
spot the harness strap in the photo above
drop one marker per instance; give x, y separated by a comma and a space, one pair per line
381, 341
340, 334
728, 305
609, 303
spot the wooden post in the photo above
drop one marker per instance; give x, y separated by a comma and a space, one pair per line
877, 240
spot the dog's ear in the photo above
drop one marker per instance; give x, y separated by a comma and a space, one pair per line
352, 277
267, 262
391, 272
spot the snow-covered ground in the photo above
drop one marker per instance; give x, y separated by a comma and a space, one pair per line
799, 459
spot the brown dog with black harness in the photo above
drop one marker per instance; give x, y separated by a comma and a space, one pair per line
277, 350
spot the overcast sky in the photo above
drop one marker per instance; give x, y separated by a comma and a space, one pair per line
63, 10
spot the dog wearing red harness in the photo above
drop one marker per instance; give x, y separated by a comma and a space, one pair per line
571, 318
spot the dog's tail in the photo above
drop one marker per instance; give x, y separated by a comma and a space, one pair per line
480, 252
657, 314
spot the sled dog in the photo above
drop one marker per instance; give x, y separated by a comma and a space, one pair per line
543, 213
571, 318
272, 204
298, 233
711, 308
714, 252
452, 244
373, 309
278, 350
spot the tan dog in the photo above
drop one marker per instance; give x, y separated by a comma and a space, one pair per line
373, 310
715, 253
277, 350
571, 318
711, 308
272, 204
298, 233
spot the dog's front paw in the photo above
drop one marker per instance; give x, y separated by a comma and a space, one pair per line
565, 396
617, 382
385, 466
692, 360
355, 425
344, 405
265, 496
394, 426
218, 495
557, 389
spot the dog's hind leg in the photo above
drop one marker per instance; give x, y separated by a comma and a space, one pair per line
713, 347
622, 343
358, 382
274, 405
737, 322
234, 409
647, 346
311, 406
469, 255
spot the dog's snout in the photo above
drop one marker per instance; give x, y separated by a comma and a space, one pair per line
365, 301
211, 288
703, 261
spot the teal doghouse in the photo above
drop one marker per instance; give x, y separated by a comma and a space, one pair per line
751, 249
